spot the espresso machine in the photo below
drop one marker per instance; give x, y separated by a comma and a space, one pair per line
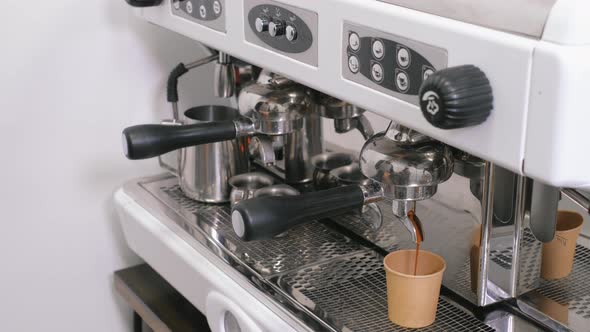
485, 106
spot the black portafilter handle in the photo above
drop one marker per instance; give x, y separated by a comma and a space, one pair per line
152, 140
264, 217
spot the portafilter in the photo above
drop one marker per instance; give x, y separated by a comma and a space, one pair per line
277, 114
404, 166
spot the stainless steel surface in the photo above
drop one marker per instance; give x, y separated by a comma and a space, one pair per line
563, 304
472, 168
281, 112
321, 277
406, 172
350, 174
280, 107
401, 210
169, 161
224, 79
526, 17
204, 170
158, 304
261, 148
200, 62
300, 146
244, 186
543, 216
346, 116
350, 292
505, 264
277, 190
577, 197
325, 162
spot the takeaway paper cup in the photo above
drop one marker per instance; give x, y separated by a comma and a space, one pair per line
412, 299
558, 255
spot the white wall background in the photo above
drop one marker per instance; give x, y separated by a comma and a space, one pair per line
73, 75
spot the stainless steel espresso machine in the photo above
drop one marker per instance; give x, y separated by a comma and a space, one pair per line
478, 148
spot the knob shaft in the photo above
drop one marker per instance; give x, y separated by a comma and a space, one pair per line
261, 24
276, 28
456, 97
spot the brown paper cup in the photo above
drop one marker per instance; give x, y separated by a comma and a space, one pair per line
559, 312
412, 299
558, 255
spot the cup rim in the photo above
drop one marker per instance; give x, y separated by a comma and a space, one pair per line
423, 276
573, 229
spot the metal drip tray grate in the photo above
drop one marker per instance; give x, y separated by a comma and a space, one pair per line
306, 244
350, 293
564, 302
319, 275
573, 291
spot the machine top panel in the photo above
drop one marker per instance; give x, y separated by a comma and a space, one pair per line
526, 17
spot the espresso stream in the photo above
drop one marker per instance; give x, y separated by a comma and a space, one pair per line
419, 236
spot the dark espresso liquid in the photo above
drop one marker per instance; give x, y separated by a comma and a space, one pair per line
419, 236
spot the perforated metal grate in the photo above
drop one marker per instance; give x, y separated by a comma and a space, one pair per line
530, 259
574, 290
350, 293
306, 244
340, 283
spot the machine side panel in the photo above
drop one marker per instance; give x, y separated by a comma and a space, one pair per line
557, 137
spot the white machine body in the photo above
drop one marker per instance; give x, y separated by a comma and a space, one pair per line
534, 52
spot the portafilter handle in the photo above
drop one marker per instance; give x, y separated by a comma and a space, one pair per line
264, 217
152, 140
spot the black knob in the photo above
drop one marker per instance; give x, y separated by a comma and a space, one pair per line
456, 97
144, 3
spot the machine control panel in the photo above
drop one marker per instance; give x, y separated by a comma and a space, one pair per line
209, 13
282, 28
391, 64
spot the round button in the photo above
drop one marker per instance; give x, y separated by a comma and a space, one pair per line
216, 7
403, 57
353, 64
261, 24
377, 72
176, 4
203, 11
291, 32
378, 49
354, 41
189, 7
402, 81
276, 28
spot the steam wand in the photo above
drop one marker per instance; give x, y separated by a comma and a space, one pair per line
224, 79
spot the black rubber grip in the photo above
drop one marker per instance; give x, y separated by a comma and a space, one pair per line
172, 85
264, 217
143, 3
147, 141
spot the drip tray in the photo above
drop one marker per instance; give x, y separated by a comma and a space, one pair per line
563, 304
349, 293
315, 273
